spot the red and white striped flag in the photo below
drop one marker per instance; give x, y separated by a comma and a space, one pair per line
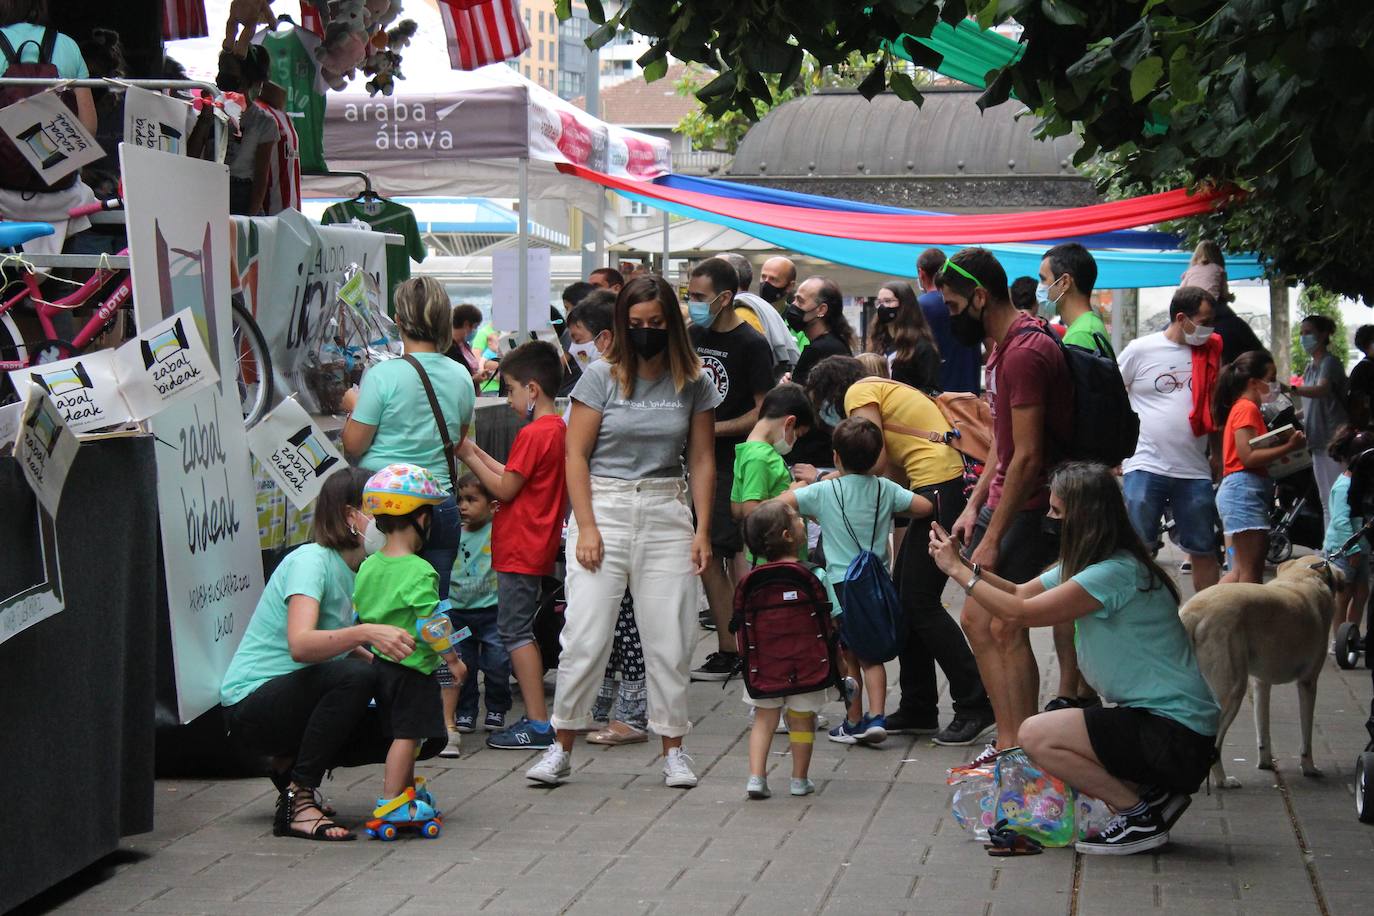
482, 32
310, 18
184, 19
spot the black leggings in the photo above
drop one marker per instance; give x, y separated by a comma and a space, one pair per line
933, 636
318, 715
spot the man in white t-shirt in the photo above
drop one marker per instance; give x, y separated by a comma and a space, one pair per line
1170, 465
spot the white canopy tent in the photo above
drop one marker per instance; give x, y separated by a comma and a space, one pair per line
448, 133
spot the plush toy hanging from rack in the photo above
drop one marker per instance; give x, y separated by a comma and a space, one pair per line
357, 37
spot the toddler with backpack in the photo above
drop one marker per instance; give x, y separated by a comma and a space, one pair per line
787, 643
855, 510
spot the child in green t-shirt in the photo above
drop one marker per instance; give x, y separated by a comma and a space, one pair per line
397, 587
760, 473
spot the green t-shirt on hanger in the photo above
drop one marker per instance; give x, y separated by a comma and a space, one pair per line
385, 216
295, 69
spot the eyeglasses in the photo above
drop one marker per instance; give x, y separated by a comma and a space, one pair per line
949, 264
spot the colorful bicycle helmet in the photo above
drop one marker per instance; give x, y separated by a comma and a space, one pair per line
399, 489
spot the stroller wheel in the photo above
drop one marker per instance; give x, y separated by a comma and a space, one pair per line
1364, 787
1348, 645
1280, 547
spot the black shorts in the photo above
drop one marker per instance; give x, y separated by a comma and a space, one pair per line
409, 702
1026, 551
726, 540
1142, 747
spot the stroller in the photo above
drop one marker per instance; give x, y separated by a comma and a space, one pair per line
1296, 517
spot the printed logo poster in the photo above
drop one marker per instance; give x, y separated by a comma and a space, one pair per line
155, 121
165, 363
294, 452
178, 217
45, 449
84, 389
48, 134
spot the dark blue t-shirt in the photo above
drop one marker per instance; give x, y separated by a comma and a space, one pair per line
959, 365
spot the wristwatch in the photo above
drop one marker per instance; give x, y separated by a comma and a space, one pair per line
973, 579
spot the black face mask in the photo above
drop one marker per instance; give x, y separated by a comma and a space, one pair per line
886, 313
648, 342
770, 293
1051, 527
967, 329
794, 316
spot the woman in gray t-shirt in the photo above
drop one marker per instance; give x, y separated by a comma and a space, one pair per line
633, 415
1323, 392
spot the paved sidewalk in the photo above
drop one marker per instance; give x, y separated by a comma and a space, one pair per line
876, 838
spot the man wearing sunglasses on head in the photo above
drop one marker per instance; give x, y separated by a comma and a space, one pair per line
1004, 524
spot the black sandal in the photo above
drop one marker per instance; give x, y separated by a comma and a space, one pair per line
290, 804
1004, 842
283, 782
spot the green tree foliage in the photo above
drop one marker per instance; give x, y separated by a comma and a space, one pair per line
1316, 301
1271, 96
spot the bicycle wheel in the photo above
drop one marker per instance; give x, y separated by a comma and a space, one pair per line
12, 347
254, 365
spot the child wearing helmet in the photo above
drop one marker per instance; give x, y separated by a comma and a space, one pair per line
396, 586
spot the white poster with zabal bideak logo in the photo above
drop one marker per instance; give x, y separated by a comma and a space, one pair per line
292, 449
178, 222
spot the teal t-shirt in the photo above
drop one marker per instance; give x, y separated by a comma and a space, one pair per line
1134, 649
1085, 330
393, 400
311, 570
66, 55
1342, 527
474, 581
855, 513
397, 591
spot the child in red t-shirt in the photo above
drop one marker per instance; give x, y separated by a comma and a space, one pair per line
526, 529
1246, 495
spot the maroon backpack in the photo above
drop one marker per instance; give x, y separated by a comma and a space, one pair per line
15, 172
784, 631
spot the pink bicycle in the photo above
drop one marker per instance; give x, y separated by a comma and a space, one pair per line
19, 351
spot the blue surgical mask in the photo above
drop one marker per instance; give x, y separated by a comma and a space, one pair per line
1046, 307
830, 416
1309, 342
700, 313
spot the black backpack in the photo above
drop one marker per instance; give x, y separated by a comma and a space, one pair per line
1105, 428
15, 172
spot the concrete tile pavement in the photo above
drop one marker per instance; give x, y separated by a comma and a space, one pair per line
877, 837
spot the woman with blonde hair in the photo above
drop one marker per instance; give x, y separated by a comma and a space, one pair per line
633, 414
899, 331
392, 419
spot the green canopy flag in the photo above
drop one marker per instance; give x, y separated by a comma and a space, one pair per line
967, 51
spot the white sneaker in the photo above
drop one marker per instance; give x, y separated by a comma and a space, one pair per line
454, 748
552, 767
677, 770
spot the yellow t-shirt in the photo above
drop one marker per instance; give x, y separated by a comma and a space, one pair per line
750, 317
926, 462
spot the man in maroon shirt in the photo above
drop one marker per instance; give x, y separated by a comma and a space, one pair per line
1004, 523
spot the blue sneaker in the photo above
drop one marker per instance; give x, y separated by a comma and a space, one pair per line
522, 736
495, 721
466, 722
846, 732
872, 730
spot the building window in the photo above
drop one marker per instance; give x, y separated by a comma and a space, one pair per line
569, 83
541, 76
639, 208
527, 16
541, 20
540, 43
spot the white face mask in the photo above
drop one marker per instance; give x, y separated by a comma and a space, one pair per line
1271, 393
1198, 335
584, 353
782, 446
373, 539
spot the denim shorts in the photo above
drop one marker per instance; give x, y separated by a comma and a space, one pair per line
1354, 567
1245, 500
1192, 501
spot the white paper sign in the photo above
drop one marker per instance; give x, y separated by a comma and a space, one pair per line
294, 451
155, 121
49, 135
178, 221
10, 415
84, 388
166, 363
505, 289
45, 449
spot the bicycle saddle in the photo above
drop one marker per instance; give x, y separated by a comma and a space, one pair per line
12, 235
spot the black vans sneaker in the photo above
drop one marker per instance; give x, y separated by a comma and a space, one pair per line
719, 666
1168, 805
1126, 835
966, 729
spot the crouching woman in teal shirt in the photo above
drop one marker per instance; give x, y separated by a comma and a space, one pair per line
299, 686
1149, 752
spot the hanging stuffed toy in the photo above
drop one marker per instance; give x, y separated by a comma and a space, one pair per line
384, 63
244, 18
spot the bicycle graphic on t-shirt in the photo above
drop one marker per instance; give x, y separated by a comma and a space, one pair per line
1168, 383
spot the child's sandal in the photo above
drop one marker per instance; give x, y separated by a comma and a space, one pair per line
1004, 842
